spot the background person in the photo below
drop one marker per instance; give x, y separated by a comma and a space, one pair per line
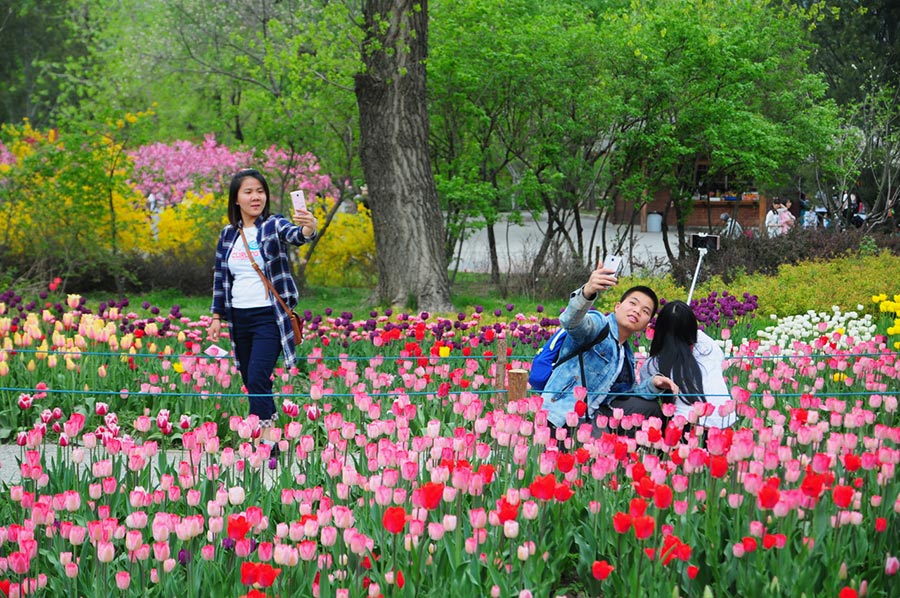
260, 328
773, 218
731, 228
608, 365
786, 217
693, 360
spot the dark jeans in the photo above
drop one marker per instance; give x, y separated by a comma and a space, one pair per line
630, 405
257, 345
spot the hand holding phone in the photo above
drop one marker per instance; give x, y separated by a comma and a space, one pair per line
298, 199
613, 263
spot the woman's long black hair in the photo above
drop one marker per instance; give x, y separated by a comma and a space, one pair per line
674, 337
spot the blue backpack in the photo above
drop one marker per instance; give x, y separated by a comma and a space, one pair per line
548, 358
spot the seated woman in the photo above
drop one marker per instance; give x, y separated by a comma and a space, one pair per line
692, 360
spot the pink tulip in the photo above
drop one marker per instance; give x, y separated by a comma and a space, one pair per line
18, 562
123, 580
891, 565
105, 552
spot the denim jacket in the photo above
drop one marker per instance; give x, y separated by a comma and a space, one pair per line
601, 362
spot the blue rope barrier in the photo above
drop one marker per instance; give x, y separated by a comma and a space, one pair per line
217, 395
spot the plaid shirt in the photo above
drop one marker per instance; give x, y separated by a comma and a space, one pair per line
269, 234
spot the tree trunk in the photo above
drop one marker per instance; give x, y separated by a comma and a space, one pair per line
406, 214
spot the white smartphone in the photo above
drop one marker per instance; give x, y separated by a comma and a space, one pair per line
298, 199
612, 262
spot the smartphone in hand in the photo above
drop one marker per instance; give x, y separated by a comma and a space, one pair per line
298, 199
613, 262
215, 351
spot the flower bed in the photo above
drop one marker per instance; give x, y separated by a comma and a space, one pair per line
406, 472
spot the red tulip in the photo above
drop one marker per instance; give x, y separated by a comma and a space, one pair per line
506, 511
601, 569
565, 462
543, 487
562, 492
643, 527
431, 494
637, 507
259, 574
718, 466
662, 496
394, 519
842, 496
621, 522
852, 462
768, 497
238, 526
673, 434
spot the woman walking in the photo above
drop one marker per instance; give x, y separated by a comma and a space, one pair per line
260, 327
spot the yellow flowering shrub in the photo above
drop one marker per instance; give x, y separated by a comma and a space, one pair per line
817, 285
190, 226
345, 255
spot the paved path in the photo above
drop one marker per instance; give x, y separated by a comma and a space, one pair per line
516, 244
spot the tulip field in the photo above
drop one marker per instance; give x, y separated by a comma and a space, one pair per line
406, 469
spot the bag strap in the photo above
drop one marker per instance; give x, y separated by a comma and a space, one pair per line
269, 287
579, 352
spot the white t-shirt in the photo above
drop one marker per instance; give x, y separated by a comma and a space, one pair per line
248, 290
709, 356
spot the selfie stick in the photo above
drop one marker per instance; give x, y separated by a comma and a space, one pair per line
702, 251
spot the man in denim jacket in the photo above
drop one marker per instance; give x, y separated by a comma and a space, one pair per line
608, 365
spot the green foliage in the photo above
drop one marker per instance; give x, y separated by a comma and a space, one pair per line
868, 245
37, 41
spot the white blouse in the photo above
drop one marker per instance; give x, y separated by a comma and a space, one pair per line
710, 357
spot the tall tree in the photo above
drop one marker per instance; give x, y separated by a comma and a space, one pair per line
393, 118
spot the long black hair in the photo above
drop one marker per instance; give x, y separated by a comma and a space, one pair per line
234, 211
674, 337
